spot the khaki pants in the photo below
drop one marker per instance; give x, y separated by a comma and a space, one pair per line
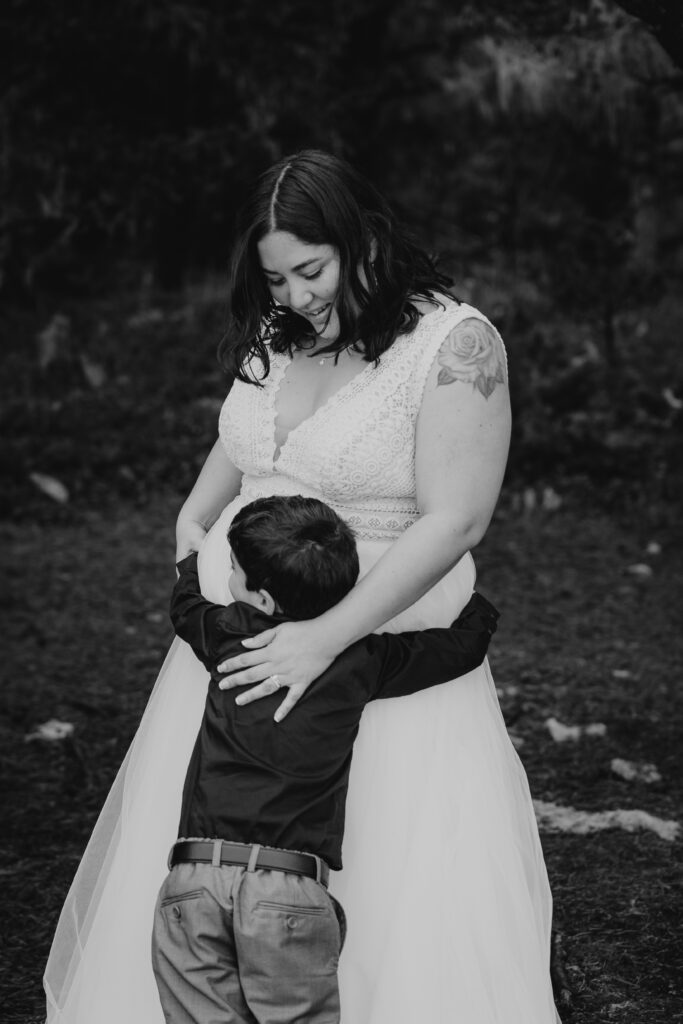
232, 946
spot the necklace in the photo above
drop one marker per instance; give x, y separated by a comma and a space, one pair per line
332, 355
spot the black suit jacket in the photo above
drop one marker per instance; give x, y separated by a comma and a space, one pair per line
284, 784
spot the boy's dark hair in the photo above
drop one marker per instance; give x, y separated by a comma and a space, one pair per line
297, 549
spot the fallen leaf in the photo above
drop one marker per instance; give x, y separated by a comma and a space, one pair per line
94, 372
50, 486
562, 733
145, 317
641, 570
52, 340
635, 772
621, 673
529, 499
653, 548
554, 818
672, 400
52, 730
550, 500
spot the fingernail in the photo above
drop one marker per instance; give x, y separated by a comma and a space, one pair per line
277, 716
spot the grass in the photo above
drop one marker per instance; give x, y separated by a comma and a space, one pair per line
85, 631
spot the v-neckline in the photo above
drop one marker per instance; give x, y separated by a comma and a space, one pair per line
286, 362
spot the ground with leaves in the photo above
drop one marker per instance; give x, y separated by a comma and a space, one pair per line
584, 639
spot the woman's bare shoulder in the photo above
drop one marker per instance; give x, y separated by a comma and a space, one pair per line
472, 353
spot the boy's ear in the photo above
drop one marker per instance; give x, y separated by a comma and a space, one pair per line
266, 602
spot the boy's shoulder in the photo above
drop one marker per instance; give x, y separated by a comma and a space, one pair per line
242, 619
237, 618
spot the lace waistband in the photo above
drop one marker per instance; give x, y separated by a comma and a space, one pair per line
371, 520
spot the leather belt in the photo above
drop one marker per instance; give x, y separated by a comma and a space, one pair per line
249, 856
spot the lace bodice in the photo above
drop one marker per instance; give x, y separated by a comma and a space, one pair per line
357, 451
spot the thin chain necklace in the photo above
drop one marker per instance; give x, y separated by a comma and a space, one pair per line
331, 355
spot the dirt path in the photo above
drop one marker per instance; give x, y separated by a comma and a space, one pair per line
583, 640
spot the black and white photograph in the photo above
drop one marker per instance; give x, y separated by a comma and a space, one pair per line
341, 511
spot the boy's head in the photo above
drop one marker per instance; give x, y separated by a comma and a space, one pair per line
291, 554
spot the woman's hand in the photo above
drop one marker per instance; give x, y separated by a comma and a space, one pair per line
189, 537
216, 486
292, 655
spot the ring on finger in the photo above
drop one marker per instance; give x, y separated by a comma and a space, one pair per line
276, 681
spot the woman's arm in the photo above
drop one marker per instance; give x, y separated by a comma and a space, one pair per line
217, 484
462, 443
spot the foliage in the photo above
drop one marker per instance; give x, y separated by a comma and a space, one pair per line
537, 145
132, 129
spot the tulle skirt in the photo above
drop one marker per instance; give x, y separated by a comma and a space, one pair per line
444, 884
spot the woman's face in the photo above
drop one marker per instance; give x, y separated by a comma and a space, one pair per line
303, 277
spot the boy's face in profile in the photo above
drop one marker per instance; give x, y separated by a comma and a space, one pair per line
237, 584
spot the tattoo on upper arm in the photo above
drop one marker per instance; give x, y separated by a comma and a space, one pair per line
472, 353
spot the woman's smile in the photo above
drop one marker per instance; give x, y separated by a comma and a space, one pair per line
316, 314
303, 277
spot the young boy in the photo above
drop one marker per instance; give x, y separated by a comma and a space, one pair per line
244, 928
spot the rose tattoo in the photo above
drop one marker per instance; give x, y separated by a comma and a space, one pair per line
472, 354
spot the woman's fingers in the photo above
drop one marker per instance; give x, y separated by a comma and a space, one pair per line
293, 694
261, 639
247, 659
256, 674
243, 661
264, 689
271, 685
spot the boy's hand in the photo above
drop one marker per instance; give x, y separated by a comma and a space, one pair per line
189, 537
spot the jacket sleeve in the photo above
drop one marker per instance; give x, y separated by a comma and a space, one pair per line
193, 617
414, 661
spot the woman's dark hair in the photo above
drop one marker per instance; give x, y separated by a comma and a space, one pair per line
322, 200
297, 549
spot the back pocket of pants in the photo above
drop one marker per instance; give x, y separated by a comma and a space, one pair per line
180, 897
289, 908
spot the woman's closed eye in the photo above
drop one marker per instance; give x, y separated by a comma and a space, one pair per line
278, 282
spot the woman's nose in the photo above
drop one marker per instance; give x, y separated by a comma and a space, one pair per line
300, 295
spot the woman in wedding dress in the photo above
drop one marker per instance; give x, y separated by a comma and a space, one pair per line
359, 381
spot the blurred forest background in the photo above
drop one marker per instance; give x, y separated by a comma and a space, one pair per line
537, 145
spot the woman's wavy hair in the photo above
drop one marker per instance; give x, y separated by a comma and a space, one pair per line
322, 200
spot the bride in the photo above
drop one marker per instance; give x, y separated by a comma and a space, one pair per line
360, 381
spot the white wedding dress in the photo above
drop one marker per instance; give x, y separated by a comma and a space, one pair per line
444, 883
